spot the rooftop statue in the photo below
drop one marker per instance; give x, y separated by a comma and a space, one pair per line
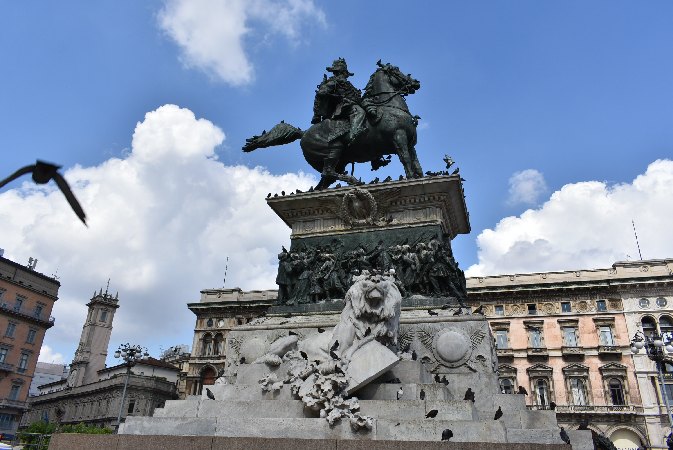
349, 127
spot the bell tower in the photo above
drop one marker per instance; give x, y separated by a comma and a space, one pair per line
92, 349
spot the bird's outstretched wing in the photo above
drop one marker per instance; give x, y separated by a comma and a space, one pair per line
65, 188
17, 174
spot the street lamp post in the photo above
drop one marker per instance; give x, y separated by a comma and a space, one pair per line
131, 354
654, 346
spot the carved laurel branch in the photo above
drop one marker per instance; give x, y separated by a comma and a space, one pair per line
426, 335
349, 197
405, 337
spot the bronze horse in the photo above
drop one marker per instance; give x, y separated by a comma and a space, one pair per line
391, 131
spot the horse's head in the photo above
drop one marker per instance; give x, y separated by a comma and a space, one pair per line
405, 83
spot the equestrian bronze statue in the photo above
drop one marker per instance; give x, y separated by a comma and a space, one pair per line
349, 127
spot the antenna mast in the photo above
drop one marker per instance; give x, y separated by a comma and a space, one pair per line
636, 235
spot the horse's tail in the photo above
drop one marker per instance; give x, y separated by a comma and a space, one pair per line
281, 134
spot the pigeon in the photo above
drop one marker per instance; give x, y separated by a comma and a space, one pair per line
437, 380
400, 393
292, 333
552, 405
449, 161
334, 346
401, 178
268, 195
299, 192
397, 424
338, 370
303, 354
455, 172
421, 395
287, 316
458, 312
564, 436
242, 360
333, 354
43, 172
282, 192
447, 434
432, 313
431, 414
584, 424
469, 395
522, 390
321, 330
479, 310
414, 355
445, 382
498, 414
445, 306
368, 331
210, 394
387, 179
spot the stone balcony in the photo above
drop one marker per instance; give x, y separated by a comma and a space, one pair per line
609, 350
572, 351
537, 352
4, 367
16, 404
505, 352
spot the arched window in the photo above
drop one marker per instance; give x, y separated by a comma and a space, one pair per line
218, 348
616, 391
649, 325
666, 326
207, 347
578, 390
506, 386
542, 392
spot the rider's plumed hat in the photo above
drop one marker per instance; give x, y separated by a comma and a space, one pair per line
339, 66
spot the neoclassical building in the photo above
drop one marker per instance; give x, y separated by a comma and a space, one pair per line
565, 337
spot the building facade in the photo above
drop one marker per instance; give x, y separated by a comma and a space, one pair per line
26, 301
217, 312
565, 337
46, 373
178, 356
93, 393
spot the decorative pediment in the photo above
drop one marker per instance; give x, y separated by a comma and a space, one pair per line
539, 370
576, 370
613, 369
604, 321
505, 370
500, 325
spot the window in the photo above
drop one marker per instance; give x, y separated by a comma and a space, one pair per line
666, 326
668, 389
649, 326
644, 303
506, 386
542, 391
501, 339
38, 310
207, 347
499, 310
218, 347
565, 307
31, 336
616, 392
6, 421
132, 405
103, 315
578, 391
535, 335
532, 309
3, 354
23, 362
600, 306
605, 337
18, 303
569, 336
661, 302
14, 392
11, 328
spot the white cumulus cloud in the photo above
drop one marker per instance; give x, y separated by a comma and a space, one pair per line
212, 34
47, 355
526, 187
584, 225
162, 221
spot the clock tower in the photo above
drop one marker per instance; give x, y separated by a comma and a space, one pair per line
92, 349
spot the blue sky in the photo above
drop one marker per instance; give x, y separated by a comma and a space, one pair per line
546, 107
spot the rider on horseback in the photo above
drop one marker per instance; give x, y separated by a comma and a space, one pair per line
336, 98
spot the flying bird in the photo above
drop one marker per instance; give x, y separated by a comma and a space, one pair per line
447, 434
522, 390
449, 161
498, 414
210, 394
43, 172
421, 395
469, 395
432, 313
431, 414
400, 393
564, 436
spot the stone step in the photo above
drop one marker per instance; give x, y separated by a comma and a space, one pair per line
247, 392
388, 391
431, 430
